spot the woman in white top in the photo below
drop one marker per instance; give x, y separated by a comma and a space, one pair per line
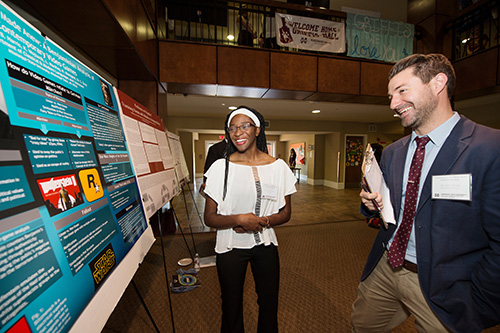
248, 193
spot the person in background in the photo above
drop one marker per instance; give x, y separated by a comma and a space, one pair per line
269, 31
246, 34
441, 262
292, 160
216, 151
247, 194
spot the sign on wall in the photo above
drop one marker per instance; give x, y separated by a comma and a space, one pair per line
310, 34
374, 38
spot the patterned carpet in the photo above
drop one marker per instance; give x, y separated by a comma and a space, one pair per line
320, 268
322, 252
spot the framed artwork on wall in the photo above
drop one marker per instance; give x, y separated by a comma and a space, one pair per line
300, 151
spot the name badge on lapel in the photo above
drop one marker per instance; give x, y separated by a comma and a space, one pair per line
452, 187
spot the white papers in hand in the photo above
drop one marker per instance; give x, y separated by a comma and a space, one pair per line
376, 182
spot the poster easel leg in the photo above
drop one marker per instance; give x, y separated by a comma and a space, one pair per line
165, 268
145, 306
196, 206
182, 232
189, 220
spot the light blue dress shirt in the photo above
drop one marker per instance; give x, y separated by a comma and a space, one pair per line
438, 136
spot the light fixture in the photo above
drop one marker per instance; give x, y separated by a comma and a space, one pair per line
230, 37
465, 40
232, 107
316, 111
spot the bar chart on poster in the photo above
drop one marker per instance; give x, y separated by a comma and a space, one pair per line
73, 221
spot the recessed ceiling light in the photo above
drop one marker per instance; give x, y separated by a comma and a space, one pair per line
316, 111
232, 107
230, 37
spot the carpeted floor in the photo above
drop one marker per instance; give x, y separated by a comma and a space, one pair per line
320, 267
322, 252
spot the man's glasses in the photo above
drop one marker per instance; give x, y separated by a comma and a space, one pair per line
244, 127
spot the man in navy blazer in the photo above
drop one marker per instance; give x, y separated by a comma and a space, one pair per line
450, 279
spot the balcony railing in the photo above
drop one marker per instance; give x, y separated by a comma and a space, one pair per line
476, 30
217, 21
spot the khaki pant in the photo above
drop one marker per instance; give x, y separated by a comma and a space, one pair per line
388, 297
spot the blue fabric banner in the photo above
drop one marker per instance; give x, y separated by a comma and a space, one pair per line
374, 38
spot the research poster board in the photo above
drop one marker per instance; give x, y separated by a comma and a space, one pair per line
70, 208
180, 162
151, 156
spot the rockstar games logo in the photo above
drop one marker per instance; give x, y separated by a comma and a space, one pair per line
91, 183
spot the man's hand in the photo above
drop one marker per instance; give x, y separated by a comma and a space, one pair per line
367, 200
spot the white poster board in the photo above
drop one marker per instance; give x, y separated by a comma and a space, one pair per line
179, 160
151, 156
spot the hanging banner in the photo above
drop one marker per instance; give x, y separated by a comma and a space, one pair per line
373, 38
310, 34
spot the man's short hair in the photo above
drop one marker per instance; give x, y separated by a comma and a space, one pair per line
426, 67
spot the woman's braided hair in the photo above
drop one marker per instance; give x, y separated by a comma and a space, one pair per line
231, 148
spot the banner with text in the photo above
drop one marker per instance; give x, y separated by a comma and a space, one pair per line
373, 38
310, 34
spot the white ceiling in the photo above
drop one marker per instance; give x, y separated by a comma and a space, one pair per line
485, 109
204, 106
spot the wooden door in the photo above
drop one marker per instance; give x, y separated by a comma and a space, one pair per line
354, 149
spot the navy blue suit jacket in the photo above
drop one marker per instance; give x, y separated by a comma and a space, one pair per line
457, 242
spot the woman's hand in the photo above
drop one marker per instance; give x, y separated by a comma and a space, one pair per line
239, 230
250, 222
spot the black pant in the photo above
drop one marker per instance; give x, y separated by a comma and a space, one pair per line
231, 268
245, 38
270, 43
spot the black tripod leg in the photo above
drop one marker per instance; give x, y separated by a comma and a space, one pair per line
195, 206
166, 273
145, 306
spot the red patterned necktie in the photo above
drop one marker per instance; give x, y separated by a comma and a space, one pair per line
397, 250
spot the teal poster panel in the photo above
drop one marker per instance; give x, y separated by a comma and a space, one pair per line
70, 208
374, 38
